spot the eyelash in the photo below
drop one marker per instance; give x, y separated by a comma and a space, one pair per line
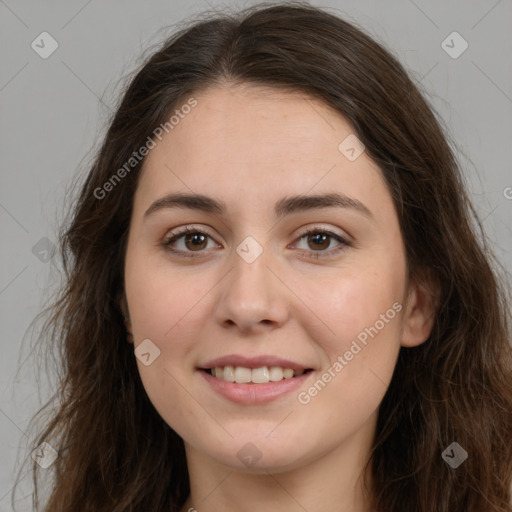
343, 243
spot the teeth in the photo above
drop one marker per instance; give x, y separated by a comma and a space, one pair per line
276, 373
242, 375
228, 373
260, 375
287, 373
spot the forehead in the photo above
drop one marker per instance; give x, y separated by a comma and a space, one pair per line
251, 141
253, 120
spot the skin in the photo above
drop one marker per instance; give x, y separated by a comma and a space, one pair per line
251, 146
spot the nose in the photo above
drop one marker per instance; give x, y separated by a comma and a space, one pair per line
252, 298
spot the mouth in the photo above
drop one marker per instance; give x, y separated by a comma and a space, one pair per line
254, 379
252, 386
260, 375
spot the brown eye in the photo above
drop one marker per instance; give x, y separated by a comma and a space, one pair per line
196, 241
319, 241
189, 242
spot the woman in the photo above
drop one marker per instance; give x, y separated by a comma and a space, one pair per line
276, 295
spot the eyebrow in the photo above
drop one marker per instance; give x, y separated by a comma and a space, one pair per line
283, 207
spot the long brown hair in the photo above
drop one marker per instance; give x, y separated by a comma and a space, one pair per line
115, 453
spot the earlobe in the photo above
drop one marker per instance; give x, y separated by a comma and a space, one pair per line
419, 315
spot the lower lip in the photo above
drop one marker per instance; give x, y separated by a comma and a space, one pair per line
254, 393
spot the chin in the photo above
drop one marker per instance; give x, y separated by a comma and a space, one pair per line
259, 456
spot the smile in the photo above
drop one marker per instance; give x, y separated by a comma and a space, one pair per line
262, 375
269, 383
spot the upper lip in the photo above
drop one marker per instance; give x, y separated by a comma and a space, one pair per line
253, 362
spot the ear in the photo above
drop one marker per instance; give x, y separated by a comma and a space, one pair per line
420, 311
123, 305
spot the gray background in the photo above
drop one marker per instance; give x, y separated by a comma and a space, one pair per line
53, 114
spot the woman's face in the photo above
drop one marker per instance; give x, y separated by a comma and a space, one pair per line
248, 291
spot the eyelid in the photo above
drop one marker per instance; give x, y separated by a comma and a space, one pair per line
189, 228
324, 229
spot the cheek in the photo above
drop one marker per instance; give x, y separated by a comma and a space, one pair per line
359, 338
352, 304
162, 303
166, 309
